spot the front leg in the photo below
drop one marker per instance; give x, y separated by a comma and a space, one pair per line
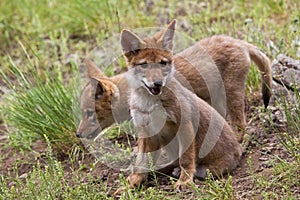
146, 157
186, 139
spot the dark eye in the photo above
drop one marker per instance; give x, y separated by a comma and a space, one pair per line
163, 62
90, 113
143, 65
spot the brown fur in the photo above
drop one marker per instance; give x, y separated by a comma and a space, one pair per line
223, 158
232, 58
180, 114
96, 101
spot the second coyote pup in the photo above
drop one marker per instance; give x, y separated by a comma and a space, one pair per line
169, 116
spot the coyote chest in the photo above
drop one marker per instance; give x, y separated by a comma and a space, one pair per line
150, 114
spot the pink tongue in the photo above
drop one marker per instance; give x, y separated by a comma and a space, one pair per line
155, 91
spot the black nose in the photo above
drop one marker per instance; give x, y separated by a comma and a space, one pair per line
78, 135
158, 83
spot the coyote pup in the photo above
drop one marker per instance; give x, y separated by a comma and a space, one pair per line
169, 116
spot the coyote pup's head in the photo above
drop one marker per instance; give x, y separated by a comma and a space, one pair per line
95, 102
150, 59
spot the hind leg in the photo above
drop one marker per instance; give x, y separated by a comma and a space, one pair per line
236, 113
218, 168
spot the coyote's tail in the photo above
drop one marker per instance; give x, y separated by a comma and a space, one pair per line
263, 64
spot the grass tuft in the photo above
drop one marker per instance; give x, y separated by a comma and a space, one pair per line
40, 107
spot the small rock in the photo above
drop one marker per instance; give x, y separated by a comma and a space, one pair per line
11, 184
263, 158
23, 176
266, 165
286, 71
3, 137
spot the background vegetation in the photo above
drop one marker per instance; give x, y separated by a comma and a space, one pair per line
42, 44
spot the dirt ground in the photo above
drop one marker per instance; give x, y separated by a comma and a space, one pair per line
261, 144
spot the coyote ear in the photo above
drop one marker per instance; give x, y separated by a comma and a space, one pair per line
130, 42
167, 36
98, 89
92, 70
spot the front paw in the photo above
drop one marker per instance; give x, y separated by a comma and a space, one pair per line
120, 191
183, 185
135, 179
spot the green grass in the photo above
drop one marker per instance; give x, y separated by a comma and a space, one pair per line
283, 177
49, 182
44, 42
37, 106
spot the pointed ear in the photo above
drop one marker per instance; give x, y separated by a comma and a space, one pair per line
97, 88
92, 70
167, 36
130, 42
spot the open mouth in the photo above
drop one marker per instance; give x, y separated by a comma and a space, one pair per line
155, 90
